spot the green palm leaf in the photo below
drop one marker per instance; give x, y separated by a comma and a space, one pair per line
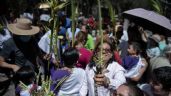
157, 6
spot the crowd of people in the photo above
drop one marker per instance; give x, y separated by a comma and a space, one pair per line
135, 61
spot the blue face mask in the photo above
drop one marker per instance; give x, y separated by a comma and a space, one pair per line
162, 45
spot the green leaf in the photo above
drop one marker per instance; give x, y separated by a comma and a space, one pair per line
157, 6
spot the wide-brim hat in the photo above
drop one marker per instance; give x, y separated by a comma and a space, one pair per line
44, 6
23, 27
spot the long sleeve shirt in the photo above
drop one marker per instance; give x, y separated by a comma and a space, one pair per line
115, 73
75, 85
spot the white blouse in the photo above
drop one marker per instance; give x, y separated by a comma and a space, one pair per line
115, 73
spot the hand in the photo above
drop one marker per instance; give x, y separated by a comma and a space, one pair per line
101, 79
33, 88
141, 30
47, 56
15, 68
1, 59
55, 62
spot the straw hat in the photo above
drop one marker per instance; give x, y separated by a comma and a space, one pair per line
44, 6
23, 27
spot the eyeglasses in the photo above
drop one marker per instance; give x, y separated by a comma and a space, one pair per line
105, 50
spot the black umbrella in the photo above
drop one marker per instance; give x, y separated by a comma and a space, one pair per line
149, 20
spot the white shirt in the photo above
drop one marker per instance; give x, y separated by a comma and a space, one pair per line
44, 17
115, 73
125, 28
69, 32
44, 43
75, 85
124, 36
134, 71
26, 92
27, 15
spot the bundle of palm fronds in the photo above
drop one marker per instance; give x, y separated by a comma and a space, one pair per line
43, 90
98, 61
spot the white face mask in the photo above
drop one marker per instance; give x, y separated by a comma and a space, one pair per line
25, 38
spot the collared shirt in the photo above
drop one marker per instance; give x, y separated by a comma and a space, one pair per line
115, 73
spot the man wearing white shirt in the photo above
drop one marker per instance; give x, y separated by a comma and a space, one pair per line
69, 33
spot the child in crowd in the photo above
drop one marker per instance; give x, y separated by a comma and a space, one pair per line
26, 86
134, 64
74, 79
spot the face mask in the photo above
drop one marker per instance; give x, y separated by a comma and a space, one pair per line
162, 45
25, 38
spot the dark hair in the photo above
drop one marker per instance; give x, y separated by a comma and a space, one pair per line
92, 62
163, 76
70, 57
134, 90
134, 34
119, 32
25, 74
82, 37
136, 47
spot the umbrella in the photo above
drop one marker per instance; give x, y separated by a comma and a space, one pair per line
149, 20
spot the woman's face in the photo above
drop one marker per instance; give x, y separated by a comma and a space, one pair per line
107, 54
